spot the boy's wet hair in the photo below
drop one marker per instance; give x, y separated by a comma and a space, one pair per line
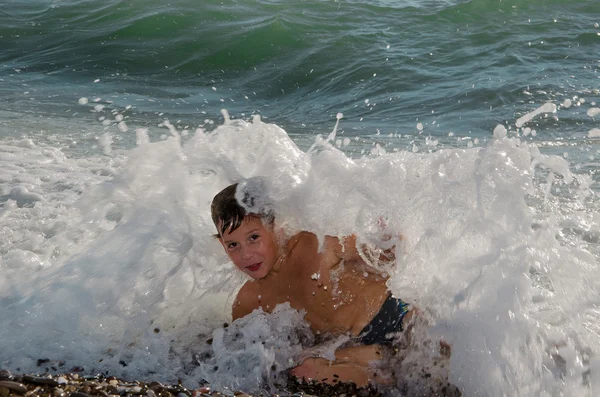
226, 210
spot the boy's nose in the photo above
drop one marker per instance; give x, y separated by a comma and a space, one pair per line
247, 253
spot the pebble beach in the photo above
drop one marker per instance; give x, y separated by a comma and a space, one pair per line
73, 384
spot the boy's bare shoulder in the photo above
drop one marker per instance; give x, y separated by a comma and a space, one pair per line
307, 245
332, 245
246, 300
301, 237
307, 238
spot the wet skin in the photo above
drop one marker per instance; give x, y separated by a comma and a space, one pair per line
332, 284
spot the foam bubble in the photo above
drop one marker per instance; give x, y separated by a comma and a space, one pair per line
500, 132
594, 133
122, 126
593, 112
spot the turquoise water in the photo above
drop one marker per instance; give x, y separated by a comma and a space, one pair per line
455, 66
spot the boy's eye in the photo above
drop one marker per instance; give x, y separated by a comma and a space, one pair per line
232, 245
254, 237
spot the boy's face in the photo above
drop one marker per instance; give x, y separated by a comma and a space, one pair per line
252, 247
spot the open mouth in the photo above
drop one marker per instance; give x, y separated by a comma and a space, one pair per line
254, 267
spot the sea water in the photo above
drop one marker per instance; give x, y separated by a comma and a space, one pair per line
469, 128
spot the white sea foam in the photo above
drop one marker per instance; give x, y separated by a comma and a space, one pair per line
110, 260
253, 352
593, 112
500, 131
545, 108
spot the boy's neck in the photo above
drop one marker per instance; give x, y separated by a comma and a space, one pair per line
284, 247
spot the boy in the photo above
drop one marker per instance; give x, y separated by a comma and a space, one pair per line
340, 294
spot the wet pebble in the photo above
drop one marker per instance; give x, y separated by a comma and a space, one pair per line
156, 386
136, 390
39, 380
150, 393
5, 374
14, 387
79, 394
93, 377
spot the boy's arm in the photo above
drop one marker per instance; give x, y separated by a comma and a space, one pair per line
245, 302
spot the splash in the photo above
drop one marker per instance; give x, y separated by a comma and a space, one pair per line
544, 109
253, 352
124, 276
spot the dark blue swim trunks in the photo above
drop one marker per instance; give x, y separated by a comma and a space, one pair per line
387, 321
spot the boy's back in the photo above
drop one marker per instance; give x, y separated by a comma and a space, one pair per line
339, 293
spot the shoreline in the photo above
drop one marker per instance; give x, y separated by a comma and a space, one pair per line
73, 384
